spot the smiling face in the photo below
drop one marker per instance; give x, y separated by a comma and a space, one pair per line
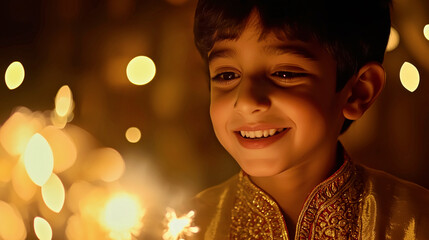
273, 101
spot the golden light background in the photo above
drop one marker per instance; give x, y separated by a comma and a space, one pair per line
91, 148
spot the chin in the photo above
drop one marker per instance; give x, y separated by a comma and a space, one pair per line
261, 169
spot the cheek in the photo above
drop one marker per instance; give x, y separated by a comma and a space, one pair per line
218, 113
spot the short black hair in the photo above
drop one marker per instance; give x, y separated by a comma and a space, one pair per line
353, 32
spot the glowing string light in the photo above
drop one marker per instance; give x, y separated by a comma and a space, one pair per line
393, 40
426, 31
64, 101
42, 229
179, 227
141, 70
409, 76
38, 159
53, 193
14, 75
133, 134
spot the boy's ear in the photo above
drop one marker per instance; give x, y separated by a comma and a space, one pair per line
365, 88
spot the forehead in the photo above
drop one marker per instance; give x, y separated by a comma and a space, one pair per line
271, 42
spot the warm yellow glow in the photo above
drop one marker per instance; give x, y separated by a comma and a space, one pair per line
178, 227
141, 70
38, 159
17, 131
133, 134
76, 193
21, 182
6, 167
42, 229
63, 148
409, 76
14, 75
426, 31
393, 40
64, 101
11, 223
122, 216
53, 193
106, 164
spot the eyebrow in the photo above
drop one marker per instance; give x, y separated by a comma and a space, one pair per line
221, 53
290, 49
270, 49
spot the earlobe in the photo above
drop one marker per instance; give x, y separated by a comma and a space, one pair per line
364, 90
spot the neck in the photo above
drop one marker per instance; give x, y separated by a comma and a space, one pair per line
291, 187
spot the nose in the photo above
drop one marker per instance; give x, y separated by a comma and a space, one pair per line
252, 96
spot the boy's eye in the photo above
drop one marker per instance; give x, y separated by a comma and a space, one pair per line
288, 75
225, 76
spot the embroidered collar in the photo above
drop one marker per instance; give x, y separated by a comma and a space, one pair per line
330, 212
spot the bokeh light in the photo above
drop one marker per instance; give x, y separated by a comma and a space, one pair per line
104, 164
38, 159
133, 134
122, 216
64, 101
409, 76
42, 229
14, 75
426, 31
141, 70
53, 193
393, 40
11, 224
17, 131
21, 182
178, 227
63, 148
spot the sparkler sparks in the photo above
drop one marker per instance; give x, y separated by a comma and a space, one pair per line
179, 227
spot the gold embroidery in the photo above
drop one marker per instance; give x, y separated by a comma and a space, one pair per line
330, 212
255, 215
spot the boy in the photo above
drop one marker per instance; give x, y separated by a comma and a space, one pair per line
287, 77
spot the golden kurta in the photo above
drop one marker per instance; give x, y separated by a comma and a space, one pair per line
356, 202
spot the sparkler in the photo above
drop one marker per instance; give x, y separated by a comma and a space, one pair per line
179, 227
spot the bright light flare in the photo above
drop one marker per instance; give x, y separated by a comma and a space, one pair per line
53, 193
179, 227
64, 101
122, 216
141, 70
426, 31
38, 159
14, 75
42, 229
393, 40
409, 76
133, 134
11, 223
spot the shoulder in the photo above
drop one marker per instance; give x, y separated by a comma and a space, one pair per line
393, 206
213, 210
385, 183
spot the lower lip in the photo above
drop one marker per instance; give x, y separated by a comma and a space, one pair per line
258, 143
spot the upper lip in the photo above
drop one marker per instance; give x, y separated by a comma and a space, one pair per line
258, 127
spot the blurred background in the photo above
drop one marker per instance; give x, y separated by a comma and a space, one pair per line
152, 145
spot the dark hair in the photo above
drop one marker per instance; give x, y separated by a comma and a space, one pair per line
353, 32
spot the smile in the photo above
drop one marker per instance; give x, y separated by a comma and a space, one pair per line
261, 133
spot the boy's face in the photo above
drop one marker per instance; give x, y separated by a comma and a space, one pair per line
273, 102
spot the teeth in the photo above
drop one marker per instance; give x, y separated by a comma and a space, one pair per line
261, 133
